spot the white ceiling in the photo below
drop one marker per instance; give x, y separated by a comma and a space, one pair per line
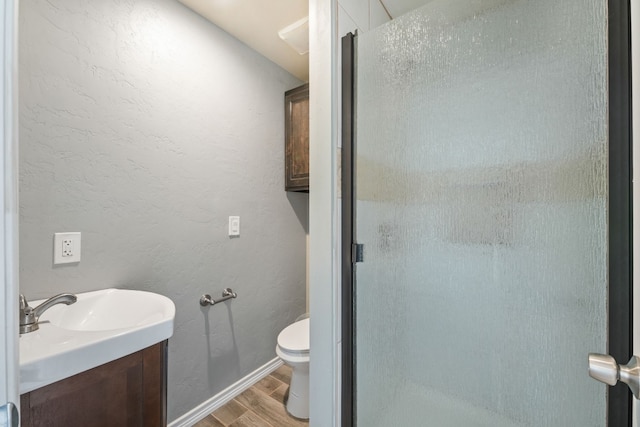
257, 22
400, 7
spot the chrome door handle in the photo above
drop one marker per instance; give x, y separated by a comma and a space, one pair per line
9, 415
604, 368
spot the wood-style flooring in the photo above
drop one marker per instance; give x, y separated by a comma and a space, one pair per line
262, 405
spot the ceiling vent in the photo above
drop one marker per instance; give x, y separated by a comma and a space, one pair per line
296, 35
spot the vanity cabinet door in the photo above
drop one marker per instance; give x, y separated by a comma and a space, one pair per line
130, 391
296, 107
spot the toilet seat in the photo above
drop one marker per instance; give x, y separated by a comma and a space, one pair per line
293, 341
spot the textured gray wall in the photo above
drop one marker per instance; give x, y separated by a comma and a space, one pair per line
144, 127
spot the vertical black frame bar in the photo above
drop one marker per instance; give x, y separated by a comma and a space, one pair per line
348, 233
619, 405
620, 210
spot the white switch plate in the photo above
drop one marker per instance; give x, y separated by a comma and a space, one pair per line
66, 248
234, 226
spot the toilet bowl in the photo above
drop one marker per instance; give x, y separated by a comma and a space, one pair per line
293, 349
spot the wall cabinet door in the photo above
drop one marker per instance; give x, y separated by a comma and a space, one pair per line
296, 106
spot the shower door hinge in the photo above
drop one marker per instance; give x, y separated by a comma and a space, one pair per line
357, 252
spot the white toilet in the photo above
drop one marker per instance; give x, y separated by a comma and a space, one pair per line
293, 349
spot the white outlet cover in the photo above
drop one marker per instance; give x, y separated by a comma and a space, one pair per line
58, 242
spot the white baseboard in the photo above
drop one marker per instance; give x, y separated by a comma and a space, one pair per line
207, 407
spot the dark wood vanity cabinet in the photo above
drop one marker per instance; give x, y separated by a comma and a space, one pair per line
131, 391
296, 146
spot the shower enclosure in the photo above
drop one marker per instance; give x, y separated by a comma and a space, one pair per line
487, 198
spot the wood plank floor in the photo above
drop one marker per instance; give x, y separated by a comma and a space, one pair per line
262, 405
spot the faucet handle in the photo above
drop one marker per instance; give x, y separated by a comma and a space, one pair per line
25, 308
27, 317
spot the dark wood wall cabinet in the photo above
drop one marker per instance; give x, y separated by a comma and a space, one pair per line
296, 139
131, 391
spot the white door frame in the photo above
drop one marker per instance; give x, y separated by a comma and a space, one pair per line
635, 108
9, 213
324, 246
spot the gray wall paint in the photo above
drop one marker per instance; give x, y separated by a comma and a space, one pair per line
144, 127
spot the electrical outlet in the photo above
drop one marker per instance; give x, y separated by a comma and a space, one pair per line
66, 248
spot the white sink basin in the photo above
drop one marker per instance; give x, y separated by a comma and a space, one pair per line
100, 327
110, 309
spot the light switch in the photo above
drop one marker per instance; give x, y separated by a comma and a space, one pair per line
234, 226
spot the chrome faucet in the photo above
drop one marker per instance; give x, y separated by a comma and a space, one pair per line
29, 316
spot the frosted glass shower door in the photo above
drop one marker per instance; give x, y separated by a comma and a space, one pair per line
481, 200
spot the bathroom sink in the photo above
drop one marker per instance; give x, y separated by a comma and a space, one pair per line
109, 310
100, 327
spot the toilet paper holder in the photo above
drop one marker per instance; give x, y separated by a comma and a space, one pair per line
226, 294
